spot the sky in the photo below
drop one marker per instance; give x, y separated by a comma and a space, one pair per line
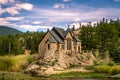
39, 15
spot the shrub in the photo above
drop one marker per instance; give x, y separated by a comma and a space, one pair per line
102, 69
89, 67
20, 62
32, 58
14, 63
115, 70
5, 63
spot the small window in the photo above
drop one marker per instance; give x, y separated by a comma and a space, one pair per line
48, 46
69, 43
57, 46
78, 49
63, 47
75, 48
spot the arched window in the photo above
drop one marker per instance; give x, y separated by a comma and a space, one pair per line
48, 46
63, 46
78, 48
69, 44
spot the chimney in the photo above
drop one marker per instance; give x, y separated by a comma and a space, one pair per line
74, 26
68, 26
48, 30
80, 25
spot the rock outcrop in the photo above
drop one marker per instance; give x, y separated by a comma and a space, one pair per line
43, 67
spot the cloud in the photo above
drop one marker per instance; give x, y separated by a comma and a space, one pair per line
6, 1
25, 6
3, 21
15, 9
76, 14
37, 22
12, 10
116, 0
59, 15
3, 1
7, 21
33, 28
56, 6
12, 1
14, 18
66, 0
1, 10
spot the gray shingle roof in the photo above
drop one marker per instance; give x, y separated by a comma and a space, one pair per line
59, 31
59, 35
52, 39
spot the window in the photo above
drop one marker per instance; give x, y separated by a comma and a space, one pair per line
69, 43
78, 49
48, 46
57, 46
63, 47
75, 48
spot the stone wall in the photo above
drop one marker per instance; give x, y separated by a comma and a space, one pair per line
42, 45
76, 33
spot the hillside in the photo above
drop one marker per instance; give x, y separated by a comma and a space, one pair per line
7, 31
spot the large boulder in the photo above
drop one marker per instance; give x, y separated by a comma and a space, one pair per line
47, 67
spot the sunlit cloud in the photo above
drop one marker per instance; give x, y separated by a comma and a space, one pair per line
3, 21
25, 6
56, 6
66, 0
3, 1
1, 10
26, 16
6, 1
15, 9
14, 18
12, 10
77, 15
37, 22
116, 0
33, 28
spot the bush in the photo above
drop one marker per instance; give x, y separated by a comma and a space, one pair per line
89, 67
115, 70
5, 63
20, 62
14, 63
32, 58
102, 69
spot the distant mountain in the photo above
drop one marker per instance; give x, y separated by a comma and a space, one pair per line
4, 30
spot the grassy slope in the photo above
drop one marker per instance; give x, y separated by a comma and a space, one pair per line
15, 76
6, 30
80, 74
19, 63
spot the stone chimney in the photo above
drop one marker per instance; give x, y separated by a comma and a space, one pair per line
68, 26
74, 26
80, 25
48, 29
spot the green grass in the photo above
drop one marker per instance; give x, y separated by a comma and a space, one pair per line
112, 70
79, 74
115, 70
89, 67
102, 69
15, 63
15, 76
5, 63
